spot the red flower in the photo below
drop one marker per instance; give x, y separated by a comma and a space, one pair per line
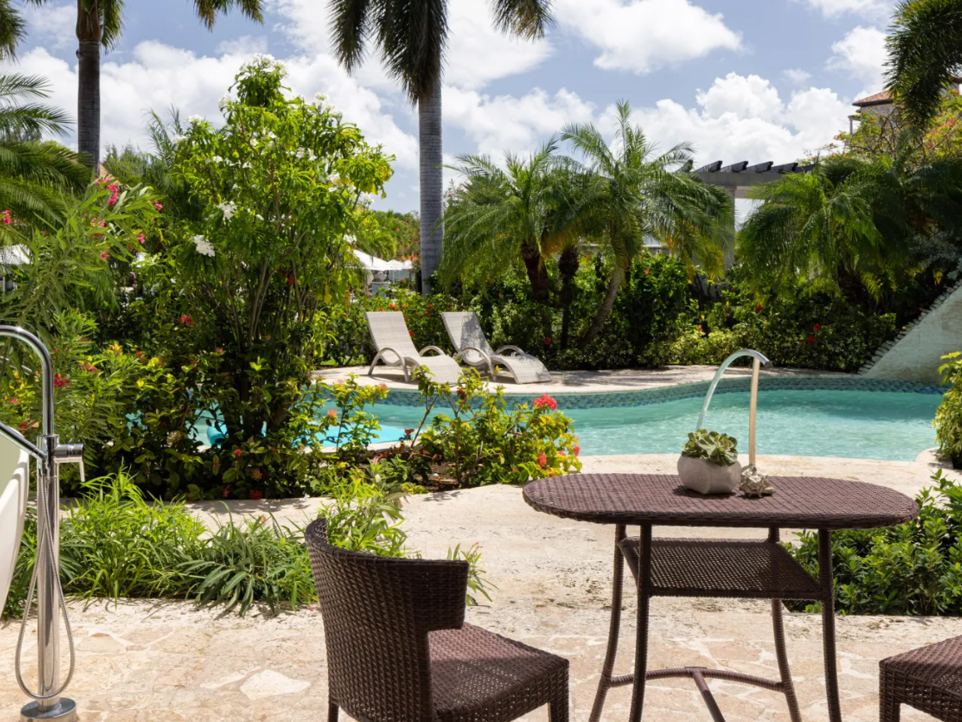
542, 460
577, 449
216, 463
411, 333
226, 491
757, 309
810, 339
14, 401
547, 340
545, 401
159, 206
392, 306
427, 313
186, 320
647, 271
238, 453
256, 495
818, 327
332, 414
61, 381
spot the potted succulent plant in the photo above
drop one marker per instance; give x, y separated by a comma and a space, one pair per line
709, 463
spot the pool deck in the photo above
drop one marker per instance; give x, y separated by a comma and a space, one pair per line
575, 382
169, 662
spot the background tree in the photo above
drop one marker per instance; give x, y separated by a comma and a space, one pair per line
34, 174
851, 226
411, 38
925, 53
99, 25
633, 194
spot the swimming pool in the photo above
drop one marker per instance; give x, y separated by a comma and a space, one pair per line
832, 416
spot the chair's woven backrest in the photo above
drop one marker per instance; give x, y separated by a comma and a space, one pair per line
388, 330
377, 614
465, 330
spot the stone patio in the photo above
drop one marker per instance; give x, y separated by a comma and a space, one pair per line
159, 662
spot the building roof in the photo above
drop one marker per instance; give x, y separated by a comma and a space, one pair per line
883, 98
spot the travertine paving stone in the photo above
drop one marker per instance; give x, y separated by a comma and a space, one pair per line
160, 662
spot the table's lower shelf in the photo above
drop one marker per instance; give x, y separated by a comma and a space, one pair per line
721, 568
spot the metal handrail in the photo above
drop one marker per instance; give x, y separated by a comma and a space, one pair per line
759, 360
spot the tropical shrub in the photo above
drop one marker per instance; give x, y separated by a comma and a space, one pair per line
914, 568
118, 543
948, 417
814, 331
483, 441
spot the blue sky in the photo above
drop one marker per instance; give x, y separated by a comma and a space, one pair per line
740, 79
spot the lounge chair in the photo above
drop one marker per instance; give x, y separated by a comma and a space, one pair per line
473, 348
392, 340
399, 650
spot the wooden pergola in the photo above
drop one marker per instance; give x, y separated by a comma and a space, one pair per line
738, 178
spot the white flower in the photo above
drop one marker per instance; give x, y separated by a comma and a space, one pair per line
228, 208
203, 246
195, 119
224, 101
217, 159
270, 134
179, 138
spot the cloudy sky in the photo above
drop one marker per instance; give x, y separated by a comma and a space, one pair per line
741, 79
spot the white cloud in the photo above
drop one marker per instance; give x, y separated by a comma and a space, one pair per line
52, 25
159, 76
741, 118
643, 35
507, 123
866, 8
797, 76
476, 54
244, 45
861, 54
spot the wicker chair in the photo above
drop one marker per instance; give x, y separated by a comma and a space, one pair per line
398, 649
928, 679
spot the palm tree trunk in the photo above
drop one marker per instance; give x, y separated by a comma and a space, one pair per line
614, 285
567, 268
537, 273
432, 185
88, 90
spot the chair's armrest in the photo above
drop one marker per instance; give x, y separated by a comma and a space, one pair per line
515, 349
432, 348
487, 359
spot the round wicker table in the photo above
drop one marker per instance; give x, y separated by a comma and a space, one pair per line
718, 568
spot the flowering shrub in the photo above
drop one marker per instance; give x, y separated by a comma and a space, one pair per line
948, 418
483, 441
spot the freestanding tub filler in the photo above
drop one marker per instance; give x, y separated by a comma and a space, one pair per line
49, 453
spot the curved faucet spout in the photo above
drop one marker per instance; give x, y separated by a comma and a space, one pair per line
759, 360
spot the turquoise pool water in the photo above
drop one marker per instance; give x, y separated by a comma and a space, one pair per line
883, 425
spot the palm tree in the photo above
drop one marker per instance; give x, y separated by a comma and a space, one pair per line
411, 38
500, 215
633, 194
925, 52
33, 173
99, 24
850, 226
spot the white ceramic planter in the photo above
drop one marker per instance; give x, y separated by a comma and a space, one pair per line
708, 478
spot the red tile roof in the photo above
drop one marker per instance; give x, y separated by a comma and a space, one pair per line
883, 98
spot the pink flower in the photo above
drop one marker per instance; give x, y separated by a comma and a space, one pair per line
114, 194
256, 495
14, 400
545, 401
5, 218
61, 381
218, 350
238, 453
542, 460
104, 255
186, 320
158, 206
226, 491
140, 237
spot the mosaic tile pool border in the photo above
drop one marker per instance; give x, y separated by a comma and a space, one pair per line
644, 397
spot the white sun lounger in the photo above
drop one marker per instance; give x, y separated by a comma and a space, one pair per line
394, 347
473, 348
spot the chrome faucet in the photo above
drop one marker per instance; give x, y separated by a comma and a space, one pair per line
50, 454
759, 361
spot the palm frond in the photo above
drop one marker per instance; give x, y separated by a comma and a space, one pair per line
526, 18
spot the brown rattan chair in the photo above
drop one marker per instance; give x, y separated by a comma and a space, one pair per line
928, 679
398, 649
